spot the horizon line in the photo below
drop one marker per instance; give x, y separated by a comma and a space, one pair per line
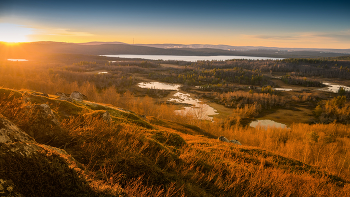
118, 42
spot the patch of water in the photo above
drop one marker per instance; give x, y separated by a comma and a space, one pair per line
333, 87
198, 109
116, 61
17, 60
283, 89
159, 86
191, 58
267, 123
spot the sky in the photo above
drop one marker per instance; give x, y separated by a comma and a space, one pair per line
286, 24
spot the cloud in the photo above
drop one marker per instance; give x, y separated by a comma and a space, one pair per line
63, 32
275, 37
341, 36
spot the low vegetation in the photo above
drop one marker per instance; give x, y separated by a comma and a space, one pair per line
126, 143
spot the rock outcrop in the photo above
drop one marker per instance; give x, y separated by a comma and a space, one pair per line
224, 139
64, 97
10, 133
44, 124
31, 169
107, 117
78, 96
235, 142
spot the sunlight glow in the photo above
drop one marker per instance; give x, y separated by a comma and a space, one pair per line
13, 33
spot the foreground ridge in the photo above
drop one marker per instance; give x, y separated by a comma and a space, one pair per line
54, 147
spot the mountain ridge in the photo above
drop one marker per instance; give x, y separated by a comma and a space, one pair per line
27, 50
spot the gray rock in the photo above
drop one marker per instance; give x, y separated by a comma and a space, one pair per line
223, 139
10, 133
235, 142
107, 117
44, 124
47, 113
64, 97
78, 96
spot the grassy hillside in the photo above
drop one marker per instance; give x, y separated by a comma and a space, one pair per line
120, 152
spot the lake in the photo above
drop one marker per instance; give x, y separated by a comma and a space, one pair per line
191, 58
17, 60
159, 86
267, 123
283, 89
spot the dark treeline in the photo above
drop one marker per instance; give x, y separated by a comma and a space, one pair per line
201, 76
298, 67
302, 81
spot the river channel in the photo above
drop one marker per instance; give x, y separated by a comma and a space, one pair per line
198, 109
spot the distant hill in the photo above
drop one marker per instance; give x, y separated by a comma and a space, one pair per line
26, 50
246, 48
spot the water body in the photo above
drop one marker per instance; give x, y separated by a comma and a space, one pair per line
333, 87
17, 60
267, 123
159, 86
283, 89
192, 58
198, 108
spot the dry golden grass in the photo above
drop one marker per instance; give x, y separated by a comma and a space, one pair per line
170, 161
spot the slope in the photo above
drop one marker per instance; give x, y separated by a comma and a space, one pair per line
118, 152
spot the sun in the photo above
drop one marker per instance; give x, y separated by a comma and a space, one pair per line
13, 33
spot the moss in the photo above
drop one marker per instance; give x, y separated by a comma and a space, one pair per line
66, 108
159, 136
183, 128
97, 107
175, 140
134, 167
129, 117
9, 94
171, 139
44, 174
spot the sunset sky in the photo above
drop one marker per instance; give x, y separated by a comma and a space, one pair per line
292, 24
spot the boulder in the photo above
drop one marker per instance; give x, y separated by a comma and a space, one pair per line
223, 139
44, 125
47, 113
10, 133
78, 96
235, 142
64, 97
107, 117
